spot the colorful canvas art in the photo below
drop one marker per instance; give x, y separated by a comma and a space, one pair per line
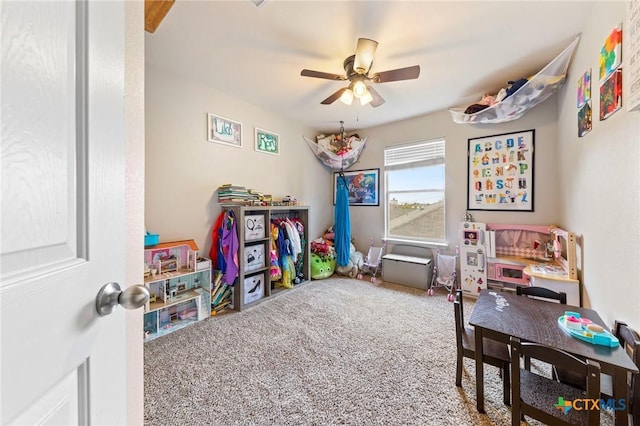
611, 53
584, 88
611, 94
584, 119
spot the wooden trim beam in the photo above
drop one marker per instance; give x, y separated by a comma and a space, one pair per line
154, 13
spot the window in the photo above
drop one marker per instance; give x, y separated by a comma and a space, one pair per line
414, 188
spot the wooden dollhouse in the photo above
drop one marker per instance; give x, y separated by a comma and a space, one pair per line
179, 282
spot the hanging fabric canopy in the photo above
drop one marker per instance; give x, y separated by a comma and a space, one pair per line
342, 223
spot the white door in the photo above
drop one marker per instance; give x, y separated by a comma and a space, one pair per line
62, 234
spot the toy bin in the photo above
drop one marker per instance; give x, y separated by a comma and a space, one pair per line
253, 288
151, 239
411, 271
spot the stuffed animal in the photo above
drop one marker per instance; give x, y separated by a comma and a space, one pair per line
355, 264
322, 266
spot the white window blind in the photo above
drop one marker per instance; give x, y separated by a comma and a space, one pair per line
423, 154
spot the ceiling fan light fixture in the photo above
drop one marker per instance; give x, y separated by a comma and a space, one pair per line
366, 98
359, 89
365, 51
347, 97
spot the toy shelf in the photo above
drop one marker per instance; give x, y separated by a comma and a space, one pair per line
539, 87
253, 226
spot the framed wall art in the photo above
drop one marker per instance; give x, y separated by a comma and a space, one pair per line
363, 186
225, 131
500, 172
267, 142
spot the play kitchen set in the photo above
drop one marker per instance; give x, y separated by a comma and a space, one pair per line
504, 256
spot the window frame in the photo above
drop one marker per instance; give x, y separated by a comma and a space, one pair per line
427, 161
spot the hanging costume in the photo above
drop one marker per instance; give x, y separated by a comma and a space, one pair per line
342, 223
230, 247
215, 254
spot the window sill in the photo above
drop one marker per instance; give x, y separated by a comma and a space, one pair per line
416, 243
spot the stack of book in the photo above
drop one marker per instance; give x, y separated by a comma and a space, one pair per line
233, 194
221, 295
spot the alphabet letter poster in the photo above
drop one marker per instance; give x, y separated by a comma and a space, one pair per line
500, 172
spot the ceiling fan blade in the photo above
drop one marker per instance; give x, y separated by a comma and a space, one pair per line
319, 74
365, 51
377, 99
335, 96
408, 73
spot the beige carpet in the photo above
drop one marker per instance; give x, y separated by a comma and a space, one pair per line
330, 352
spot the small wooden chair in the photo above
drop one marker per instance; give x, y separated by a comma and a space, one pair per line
495, 353
544, 399
630, 341
542, 292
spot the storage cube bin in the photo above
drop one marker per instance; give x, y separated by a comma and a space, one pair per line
254, 227
254, 257
253, 288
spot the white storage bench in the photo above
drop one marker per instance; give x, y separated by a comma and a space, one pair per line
412, 271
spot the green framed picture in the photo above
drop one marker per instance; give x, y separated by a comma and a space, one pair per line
267, 142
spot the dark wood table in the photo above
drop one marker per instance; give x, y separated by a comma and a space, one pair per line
500, 315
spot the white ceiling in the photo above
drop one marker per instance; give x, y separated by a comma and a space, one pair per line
464, 49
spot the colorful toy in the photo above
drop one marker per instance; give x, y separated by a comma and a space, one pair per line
373, 262
444, 274
322, 266
355, 264
584, 329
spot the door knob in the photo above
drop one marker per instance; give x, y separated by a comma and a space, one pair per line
110, 295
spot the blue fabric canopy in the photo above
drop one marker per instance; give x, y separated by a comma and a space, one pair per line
342, 223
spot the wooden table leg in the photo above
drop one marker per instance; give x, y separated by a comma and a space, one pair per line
479, 371
621, 391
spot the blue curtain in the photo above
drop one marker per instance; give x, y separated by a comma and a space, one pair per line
342, 223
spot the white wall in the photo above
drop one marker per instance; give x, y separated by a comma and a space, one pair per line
600, 182
183, 169
368, 222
